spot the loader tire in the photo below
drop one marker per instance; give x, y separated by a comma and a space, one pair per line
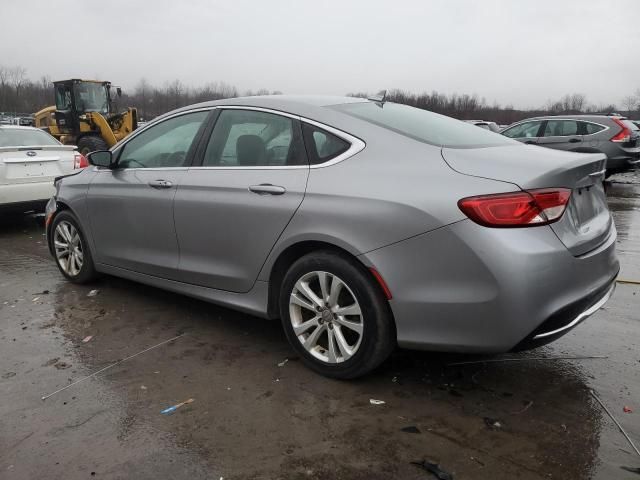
91, 143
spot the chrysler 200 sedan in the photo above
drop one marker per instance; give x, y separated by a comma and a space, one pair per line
361, 224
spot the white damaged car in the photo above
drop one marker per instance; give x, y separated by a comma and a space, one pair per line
30, 159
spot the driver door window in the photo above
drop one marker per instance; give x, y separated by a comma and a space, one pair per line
164, 145
524, 130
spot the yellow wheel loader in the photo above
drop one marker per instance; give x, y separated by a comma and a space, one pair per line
84, 115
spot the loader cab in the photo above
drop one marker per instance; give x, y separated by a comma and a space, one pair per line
77, 97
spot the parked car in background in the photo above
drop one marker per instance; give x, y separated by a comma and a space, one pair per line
616, 137
361, 224
29, 161
491, 126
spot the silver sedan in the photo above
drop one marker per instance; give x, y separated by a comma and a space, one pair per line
361, 224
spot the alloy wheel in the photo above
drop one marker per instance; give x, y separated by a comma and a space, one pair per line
326, 317
68, 248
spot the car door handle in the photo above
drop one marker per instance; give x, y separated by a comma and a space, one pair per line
160, 184
267, 189
530, 142
575, 140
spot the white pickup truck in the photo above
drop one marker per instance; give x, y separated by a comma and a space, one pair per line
30, 159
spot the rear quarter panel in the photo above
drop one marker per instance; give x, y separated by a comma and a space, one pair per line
394, 189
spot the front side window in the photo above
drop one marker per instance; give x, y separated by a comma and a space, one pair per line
322, 146
247, 138
561, 128
423, 125
523, 130
164, 145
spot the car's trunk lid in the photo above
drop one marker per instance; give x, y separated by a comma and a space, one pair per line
586, 223
34, 164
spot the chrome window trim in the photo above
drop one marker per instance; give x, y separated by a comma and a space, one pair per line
155, 122
356, 145
604, 129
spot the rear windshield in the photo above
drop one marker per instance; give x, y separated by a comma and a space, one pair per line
18, 137
423, 125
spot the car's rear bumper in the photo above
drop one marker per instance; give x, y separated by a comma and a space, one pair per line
17, 193
469, 288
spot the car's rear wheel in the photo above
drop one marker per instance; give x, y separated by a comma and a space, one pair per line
70, 249
335, 316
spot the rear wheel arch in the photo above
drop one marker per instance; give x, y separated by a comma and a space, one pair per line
296, 251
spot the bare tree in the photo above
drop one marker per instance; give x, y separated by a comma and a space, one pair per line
630, 102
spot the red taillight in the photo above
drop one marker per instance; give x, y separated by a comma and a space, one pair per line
80, 161
624, 135
517, 209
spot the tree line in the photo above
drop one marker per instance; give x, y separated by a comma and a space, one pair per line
21, 95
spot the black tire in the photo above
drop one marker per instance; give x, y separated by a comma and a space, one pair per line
91, 143
378, 337
87, 271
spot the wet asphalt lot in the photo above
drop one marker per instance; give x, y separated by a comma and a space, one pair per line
254, 419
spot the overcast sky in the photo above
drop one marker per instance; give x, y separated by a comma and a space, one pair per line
504, 50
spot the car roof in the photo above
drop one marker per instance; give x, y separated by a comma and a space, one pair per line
307, 106
19, 127
572, 117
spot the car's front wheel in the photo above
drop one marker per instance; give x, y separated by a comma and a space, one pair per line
70, 249
335, 315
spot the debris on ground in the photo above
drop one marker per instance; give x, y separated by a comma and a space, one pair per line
87, 338
92, 293
9, 375
109, 366
35, 299
626, 409
411, 429
373, 401
527, 406
633, 445
492, 423
170, 410
283, 363
435, 469
142, 387
62, 365
477, 461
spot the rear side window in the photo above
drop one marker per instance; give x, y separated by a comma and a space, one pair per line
247, 138
561, 128
17, 137
423, 125
523, 130
591, 128
322, 146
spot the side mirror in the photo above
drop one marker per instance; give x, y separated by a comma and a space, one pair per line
119, 91
101, 158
